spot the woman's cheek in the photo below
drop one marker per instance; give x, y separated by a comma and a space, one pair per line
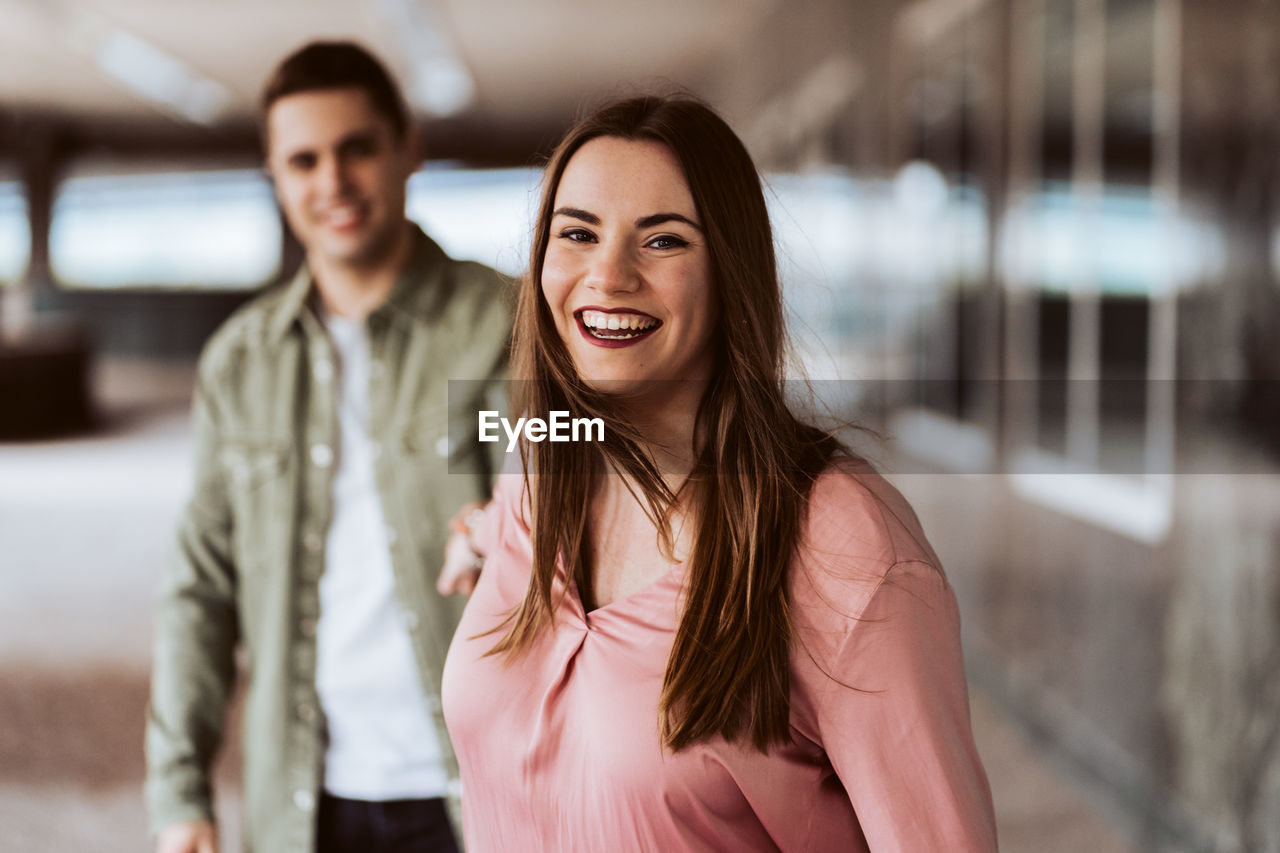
556, 282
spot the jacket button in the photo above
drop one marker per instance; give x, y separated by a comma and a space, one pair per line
306, 713
304, 800
323, 369
321, 455
444, 447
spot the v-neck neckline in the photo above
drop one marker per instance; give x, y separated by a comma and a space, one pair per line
621, 604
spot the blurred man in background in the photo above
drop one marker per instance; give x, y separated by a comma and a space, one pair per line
325, 480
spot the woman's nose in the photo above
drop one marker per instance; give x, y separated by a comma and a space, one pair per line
613, 270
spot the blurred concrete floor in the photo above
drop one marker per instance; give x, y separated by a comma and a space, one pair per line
87, 523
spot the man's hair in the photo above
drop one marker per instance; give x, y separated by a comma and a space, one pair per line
336, 65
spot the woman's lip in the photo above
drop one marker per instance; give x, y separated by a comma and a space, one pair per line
578, 312
611, 343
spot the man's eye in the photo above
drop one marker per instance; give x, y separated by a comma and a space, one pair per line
577, 235
302, 162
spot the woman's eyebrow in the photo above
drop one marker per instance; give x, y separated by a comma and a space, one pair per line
577, 213
659, 218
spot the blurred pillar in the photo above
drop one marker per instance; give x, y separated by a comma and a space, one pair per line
993, 134
1166, 178
1025, 98
44, 361
1089, 86
36, 146
39, 150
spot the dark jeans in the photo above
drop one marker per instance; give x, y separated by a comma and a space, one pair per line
394, 826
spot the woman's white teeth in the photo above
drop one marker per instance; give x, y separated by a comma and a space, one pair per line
599, 321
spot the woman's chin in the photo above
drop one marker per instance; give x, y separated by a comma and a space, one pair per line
614, 385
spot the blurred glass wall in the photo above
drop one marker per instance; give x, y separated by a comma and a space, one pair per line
1059, 272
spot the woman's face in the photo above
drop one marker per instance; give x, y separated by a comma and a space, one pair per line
627, 275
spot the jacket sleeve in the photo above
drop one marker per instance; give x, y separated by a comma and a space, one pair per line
195, 640
495, 329
894, 719
494, 396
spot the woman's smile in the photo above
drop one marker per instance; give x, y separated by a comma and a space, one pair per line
618, 327
627, 272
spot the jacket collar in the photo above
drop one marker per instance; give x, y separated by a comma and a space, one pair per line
411, 297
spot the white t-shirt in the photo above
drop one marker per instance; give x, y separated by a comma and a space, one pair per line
382, 742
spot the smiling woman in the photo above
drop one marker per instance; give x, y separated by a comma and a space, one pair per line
713, 629
627, 272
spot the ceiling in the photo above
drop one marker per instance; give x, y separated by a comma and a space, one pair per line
201, 62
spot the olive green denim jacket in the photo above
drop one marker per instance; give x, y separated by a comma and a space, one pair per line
243, 590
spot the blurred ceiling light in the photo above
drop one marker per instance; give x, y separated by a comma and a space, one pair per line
141, 67
807, 108
442, 86
161, 78
439, 82
925, 21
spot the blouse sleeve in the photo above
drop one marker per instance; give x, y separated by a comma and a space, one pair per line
498, 513
891, 709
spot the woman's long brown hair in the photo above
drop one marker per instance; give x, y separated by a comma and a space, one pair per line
728, 673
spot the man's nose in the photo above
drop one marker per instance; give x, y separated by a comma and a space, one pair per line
334, 176
613, 270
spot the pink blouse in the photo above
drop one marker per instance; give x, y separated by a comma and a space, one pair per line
559, 750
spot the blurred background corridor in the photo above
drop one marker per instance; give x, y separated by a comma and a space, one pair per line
1034, 243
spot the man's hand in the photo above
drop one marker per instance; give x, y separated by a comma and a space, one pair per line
192, 836
462, 560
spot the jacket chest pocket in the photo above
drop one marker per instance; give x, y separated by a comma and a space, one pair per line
248, 465
254, 473
442, 468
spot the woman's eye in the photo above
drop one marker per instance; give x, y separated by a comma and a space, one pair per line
577, 235
667, 241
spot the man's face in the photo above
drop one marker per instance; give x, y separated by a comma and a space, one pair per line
340, 173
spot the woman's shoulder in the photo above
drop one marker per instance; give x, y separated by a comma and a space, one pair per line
853, 509
858, 528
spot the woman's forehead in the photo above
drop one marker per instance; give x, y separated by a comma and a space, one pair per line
621, 175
